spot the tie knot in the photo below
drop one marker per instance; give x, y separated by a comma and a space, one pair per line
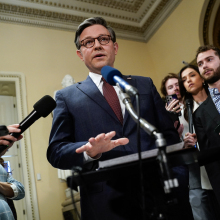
103, 79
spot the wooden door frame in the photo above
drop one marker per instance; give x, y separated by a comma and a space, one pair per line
32, 211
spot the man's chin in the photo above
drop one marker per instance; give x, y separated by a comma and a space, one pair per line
179, 97
212, 79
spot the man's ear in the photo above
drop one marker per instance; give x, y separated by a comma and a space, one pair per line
116, 48
79, 54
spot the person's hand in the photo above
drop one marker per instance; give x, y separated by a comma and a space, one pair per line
180, 129
8, 140
100, 144
190, 140
174, 106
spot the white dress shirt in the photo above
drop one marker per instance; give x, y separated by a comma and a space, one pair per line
97, 79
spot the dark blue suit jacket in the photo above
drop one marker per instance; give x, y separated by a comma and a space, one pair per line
82, 112
206, 118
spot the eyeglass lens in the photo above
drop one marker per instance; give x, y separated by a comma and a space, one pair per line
89, 42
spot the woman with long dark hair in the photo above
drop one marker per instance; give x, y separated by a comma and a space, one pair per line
192, 86
202, 198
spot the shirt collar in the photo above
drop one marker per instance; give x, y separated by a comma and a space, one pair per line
213, 91
96, 78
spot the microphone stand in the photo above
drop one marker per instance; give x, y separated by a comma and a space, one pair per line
189, 103
143, 207
169, 181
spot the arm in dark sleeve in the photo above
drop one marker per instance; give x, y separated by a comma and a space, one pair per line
200, 131
62, 146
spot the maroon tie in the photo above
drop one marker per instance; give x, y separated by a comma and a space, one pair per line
112, 99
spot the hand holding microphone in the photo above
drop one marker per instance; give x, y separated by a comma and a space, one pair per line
42, 108
7, 139
190, 140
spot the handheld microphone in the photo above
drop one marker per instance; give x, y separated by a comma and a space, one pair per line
114, 77
42, 108
189, 104
3, 130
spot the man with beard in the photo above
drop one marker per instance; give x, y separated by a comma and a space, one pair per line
207, 116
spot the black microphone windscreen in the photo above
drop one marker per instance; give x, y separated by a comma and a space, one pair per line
108, 73
189, 102
45, 106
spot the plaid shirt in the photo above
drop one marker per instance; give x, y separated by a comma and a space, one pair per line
215, 95
5, 211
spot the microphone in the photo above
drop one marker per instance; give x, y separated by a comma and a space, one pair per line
114, 77
189, 104
42, 108
3, 130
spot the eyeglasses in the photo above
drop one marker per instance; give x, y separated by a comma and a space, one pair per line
90, 42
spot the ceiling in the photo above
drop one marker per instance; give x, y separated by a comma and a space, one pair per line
131, 19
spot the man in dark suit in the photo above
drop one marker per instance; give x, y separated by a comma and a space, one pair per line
206, 117
85, 127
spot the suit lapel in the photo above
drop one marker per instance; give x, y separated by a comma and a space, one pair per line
211, 110
89, 88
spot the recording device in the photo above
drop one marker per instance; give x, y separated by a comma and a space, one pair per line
114, 77
42, 108
170, 98
189, 104
3, 130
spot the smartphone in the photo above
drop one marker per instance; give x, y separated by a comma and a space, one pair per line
170, 98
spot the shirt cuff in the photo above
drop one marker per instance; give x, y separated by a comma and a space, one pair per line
15, 189
88, 158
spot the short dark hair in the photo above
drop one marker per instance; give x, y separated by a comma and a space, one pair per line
184, 94
206, 48
89, 22
165, 79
